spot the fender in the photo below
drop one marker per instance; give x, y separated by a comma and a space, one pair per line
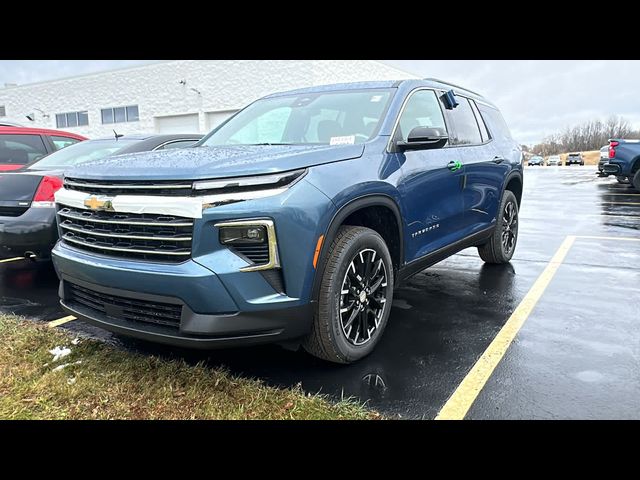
510, 176
372, 200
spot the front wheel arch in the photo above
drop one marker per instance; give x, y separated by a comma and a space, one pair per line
375, 200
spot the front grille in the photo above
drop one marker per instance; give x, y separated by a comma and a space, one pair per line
123, 187
164, 238
12, 211
258, 254
123, 308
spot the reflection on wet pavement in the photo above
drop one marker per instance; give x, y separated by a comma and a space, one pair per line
443, 318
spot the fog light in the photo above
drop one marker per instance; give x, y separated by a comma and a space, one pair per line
242, 235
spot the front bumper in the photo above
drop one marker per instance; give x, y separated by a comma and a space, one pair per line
33, 231
193, 330
211, 314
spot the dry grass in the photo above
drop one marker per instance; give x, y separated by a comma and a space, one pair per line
103, 382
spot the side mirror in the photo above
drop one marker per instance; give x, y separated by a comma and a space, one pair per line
424, 138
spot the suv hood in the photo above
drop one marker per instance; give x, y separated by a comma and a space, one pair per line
213, 162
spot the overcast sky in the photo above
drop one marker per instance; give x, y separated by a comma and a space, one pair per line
537, 97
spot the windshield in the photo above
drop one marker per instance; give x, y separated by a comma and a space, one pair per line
80, 153
334, 118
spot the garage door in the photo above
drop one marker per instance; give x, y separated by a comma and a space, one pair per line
216, 118
177, 124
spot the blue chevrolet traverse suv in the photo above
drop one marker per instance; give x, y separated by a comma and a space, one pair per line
292, 221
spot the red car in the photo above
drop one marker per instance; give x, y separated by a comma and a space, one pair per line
22, 145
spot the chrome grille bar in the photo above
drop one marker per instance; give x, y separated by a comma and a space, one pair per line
65, 212
75, 228
116, 186
69, 238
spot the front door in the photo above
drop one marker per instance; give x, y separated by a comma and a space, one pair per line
431, 182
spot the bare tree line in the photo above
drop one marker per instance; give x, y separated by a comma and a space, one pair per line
591, 135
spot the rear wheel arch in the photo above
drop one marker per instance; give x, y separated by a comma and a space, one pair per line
513, 183
349, 210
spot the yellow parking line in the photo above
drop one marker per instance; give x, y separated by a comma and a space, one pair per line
460, 402
625, 194
61, 321
624, 239
622, 203
6, 260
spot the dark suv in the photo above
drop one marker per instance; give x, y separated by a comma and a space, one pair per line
293, 221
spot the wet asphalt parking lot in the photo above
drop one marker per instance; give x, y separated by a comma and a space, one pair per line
577, 354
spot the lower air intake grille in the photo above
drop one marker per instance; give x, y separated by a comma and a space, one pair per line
123, 308
258, 254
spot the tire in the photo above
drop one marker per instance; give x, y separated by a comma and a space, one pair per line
636, 180
495, 250
332, 336
624, 180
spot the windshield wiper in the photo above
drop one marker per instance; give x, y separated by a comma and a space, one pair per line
267, 143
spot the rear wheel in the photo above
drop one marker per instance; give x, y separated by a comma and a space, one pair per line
500, 247
355, 297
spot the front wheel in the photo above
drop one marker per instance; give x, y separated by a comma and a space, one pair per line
355, 297
636, 180
500, 247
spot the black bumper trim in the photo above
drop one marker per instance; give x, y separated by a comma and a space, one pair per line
196, 330
611, 168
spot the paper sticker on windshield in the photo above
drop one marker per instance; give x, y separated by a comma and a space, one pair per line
345, 140
375, 98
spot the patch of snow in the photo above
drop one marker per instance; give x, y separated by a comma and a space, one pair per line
75, 341
71, 381
65, 365
59, 352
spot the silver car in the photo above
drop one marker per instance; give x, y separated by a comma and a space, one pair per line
554, 160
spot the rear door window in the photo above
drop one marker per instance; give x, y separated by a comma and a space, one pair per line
21, 149
483, 128
60, 142
465, 126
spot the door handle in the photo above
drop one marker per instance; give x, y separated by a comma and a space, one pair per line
454, 166
498, 159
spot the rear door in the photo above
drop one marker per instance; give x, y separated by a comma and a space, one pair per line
485, 166
18, 150
431, 182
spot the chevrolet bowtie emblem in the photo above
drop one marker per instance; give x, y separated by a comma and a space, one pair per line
98, 203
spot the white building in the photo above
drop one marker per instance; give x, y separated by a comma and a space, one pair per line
185, 96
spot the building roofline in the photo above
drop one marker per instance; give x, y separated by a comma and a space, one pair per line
84, 75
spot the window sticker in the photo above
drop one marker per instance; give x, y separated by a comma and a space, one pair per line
344, 140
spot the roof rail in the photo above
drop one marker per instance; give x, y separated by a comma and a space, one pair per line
431, 79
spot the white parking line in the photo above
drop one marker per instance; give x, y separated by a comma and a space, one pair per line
7, 260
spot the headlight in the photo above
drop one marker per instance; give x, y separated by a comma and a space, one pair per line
253, 183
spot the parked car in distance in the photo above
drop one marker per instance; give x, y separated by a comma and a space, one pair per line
536, 160
293, 221
554, 160
624, 161
574, 159
27, 210
604, 157
20, 146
